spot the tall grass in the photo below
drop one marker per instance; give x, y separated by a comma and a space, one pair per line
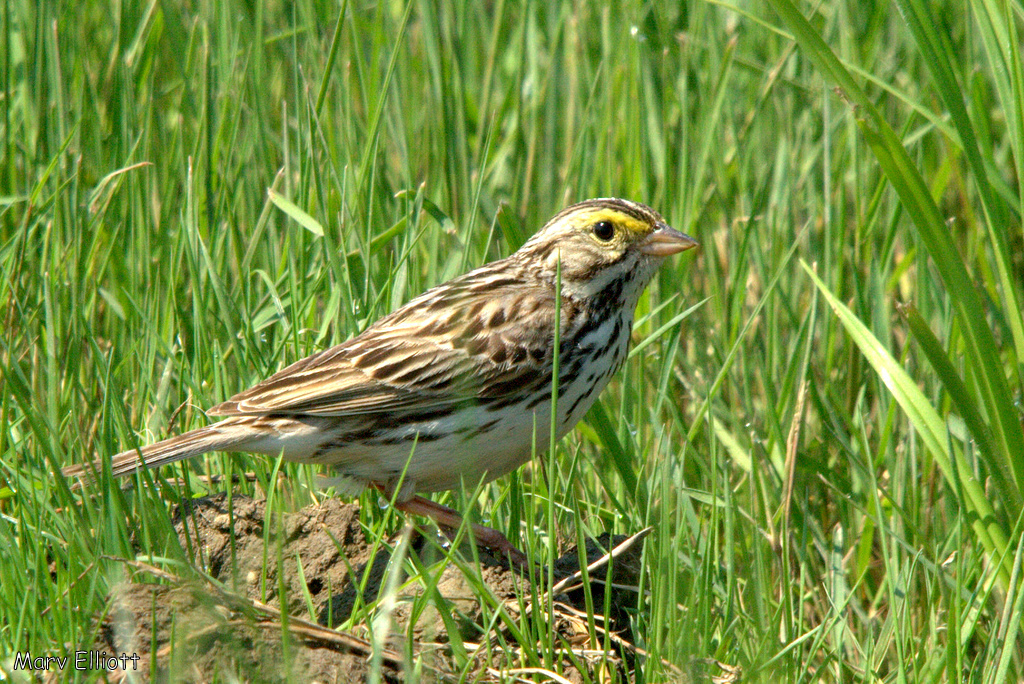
828, 447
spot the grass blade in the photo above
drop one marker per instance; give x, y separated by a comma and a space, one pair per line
929, 426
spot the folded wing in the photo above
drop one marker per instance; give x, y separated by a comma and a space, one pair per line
473, 339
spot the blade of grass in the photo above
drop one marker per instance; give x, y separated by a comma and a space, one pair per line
939, 57
964, 402
982, 354
929, 426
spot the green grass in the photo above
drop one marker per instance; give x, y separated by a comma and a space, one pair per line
829, 447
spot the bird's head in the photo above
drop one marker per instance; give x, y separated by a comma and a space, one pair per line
603, 242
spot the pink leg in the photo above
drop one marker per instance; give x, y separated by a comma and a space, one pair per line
450, 519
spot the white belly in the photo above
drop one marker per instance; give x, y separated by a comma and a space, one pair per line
471, 446
474, 444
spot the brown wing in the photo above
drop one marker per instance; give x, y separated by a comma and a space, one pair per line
474, 338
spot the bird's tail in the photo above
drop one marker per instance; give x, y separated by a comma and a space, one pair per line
222, 436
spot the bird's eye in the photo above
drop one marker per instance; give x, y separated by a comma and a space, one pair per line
604, 230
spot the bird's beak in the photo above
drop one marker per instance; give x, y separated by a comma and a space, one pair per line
665, 241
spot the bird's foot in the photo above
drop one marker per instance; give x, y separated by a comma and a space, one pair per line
450, 521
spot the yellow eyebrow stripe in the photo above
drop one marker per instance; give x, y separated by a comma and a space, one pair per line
629, 223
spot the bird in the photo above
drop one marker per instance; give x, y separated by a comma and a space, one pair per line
455, 387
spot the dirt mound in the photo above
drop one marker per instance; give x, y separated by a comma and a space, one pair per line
233, 626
